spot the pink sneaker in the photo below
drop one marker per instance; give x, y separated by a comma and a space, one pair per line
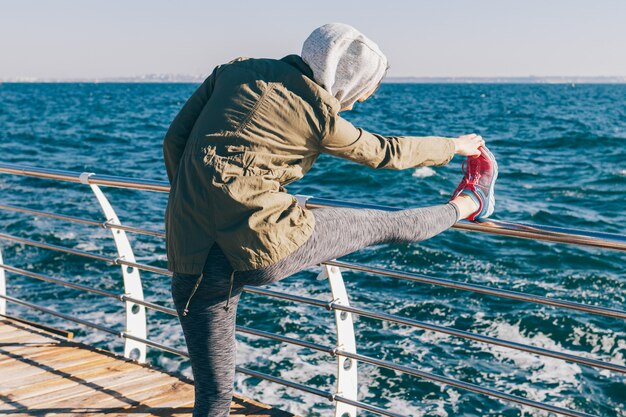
479, 182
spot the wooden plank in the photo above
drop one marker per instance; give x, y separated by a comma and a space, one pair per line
46, 362
31, 378
41, 361
134, 396
7, 326
20, 336
9, 353
101, 378
57, 377
172, 401
20, 325
103, 399
50, 329
21, 347
136, 392
65, 396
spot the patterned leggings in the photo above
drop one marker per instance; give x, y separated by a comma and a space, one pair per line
209, 328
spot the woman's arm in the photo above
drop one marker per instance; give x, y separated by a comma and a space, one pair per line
346, 141
180, 129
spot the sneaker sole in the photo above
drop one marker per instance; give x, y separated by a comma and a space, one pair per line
492, 199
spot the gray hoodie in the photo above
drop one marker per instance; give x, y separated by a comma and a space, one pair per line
344, 61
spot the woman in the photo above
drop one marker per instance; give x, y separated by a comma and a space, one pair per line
254, 126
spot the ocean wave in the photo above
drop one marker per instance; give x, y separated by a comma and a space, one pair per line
560, 152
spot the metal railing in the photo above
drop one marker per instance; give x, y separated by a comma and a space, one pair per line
345, 395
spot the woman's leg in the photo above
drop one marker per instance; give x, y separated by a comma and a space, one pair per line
339, 231
209, 333
210, 330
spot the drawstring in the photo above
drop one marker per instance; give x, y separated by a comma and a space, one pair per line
232, 280
226, 307
192, 293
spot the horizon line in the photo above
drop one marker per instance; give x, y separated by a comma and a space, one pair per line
187, 78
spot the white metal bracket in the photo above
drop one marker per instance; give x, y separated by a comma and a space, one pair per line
347, 376
135, 313
302, 199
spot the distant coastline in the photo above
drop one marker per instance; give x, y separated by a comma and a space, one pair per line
185, 78
508, 80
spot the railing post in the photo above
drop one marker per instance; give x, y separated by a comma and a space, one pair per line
347, 377
135, 313
3, 287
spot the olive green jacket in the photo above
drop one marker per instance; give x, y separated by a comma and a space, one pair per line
253, 126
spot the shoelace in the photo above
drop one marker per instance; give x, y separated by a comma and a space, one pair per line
471, 176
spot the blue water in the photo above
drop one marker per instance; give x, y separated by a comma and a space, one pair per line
562, 156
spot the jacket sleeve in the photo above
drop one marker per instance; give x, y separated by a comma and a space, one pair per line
346, 141
180, 129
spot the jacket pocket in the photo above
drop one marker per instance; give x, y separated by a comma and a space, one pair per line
251, 166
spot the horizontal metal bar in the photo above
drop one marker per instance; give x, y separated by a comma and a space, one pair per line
132, 229
113, 261
329, 396
442, 282
73, 219
281, 381
459, 333
51, 215
155, 344
61, 315
121, 297
320, 348
73, 176
504, 228
144, 267
45, 278
553, 234
286, 339
497, 227
150, 305
56, 248
287, 296
463, 385
120, 334
481, 338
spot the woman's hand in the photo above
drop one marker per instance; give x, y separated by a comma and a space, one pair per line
468, 145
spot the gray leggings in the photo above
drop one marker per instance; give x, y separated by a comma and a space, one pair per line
209, 328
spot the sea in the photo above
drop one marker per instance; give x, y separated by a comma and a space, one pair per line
561, 150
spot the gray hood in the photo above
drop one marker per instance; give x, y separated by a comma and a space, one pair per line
344, 61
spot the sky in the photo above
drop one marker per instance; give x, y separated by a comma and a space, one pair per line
67, 39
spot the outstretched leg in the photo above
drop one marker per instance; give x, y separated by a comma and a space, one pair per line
340, 231
209, 328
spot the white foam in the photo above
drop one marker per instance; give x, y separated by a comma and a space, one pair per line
541, 369
424, 172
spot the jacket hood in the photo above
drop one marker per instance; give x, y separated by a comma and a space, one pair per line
344, 61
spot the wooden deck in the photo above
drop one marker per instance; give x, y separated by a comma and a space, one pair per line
44, 374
